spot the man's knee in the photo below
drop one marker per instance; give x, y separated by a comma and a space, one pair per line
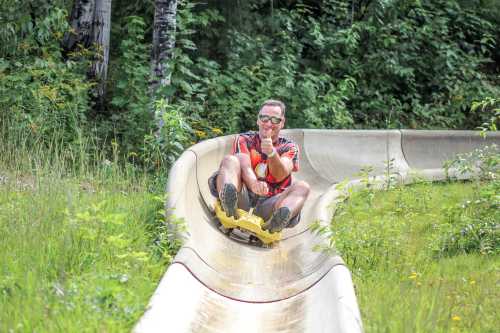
303, 188
229, 172
230, 161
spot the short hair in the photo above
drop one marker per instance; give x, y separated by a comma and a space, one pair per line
274, 102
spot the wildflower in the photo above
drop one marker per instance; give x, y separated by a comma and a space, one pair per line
472, 282
413, 276
217, 131
200, 134
48, 92
24, 46
456, 318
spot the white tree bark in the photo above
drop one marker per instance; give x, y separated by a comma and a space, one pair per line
163, 43
100, 36
81, 21
91, 26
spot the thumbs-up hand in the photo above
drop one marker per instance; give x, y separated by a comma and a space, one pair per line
266, 144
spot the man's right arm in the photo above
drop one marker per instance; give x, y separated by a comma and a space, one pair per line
249, 177
240, 150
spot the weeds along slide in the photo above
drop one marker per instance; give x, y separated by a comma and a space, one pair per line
218, 285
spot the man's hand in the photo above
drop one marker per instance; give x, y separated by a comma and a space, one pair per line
266, 144
259, 188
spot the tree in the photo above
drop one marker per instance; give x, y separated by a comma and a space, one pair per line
163, 48
163, 43
100, 36
91, 22
81, 21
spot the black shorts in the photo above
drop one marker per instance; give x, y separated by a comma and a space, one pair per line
264, 206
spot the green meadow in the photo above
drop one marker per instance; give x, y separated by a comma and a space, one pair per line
425, 257
83, 246
82, 249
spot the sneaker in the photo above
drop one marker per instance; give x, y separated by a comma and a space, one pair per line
279, 220
229, 199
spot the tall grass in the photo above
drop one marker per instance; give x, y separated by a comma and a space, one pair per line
82, 243
406, 281
23, 151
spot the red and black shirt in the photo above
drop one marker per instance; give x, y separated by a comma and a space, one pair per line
249, 143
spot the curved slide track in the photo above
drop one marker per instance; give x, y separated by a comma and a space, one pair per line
218, 285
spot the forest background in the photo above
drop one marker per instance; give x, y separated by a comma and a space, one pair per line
336, 64
99, 97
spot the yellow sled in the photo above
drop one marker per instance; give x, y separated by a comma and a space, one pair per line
247, 223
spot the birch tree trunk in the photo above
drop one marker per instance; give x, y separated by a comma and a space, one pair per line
100, 36
81, 21
91, 25
163, 43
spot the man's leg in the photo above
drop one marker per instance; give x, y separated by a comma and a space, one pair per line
288, 205
229, 184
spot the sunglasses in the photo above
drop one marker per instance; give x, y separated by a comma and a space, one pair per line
274, 120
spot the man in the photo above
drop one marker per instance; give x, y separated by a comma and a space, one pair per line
259, 170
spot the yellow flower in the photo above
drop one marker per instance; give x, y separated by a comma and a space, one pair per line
217, 131
48, 92
24, 46
200, 134
472, 282
456, 318
413, 276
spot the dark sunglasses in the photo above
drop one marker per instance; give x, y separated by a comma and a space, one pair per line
274, 120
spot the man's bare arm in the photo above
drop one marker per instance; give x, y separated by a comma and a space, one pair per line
280, 167
249, 177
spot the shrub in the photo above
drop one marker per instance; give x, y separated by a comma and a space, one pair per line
133, 117
42, 97
474, 224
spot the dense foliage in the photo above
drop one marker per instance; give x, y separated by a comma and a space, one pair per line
41, 96
335, 63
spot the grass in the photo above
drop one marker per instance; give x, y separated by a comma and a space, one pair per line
406, 278
82, 248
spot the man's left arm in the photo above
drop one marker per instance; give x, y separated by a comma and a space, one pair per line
280, 167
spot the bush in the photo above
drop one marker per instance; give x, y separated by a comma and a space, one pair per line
42, 97
377, 65
474, 224
133, 117
162, 148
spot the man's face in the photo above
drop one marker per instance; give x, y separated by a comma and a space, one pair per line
265, 119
